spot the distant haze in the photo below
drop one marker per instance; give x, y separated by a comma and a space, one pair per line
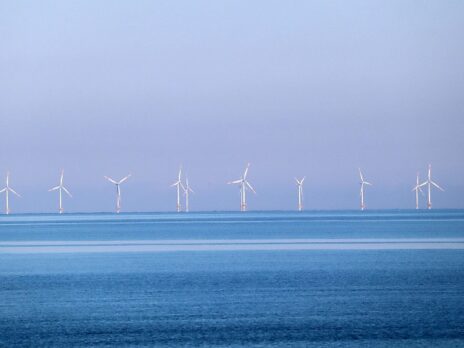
296, 88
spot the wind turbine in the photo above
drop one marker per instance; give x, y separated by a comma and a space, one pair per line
429, 183
187, 190
362, 183
244, 185
118, 190
61, 188
299, 183
417, 188
179, 186
7, 189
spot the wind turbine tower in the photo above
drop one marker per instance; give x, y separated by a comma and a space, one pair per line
118, 190
61, 188
244, 185
7, 189
299, 183
429, 184
187, 191
362, 183
178, 184
417, 188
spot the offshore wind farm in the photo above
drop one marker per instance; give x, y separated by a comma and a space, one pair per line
244, 185
231, 173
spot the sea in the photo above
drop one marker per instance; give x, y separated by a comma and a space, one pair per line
225, 279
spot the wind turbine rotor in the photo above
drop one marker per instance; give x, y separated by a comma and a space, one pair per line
187, 186
118, 190
243, 187
7, 189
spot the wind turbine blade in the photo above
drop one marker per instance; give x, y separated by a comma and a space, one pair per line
423, 194
249, 186
302, 180
436, 185
191, 190
110, 180
367, 183
3, 190
124, 179
246, 171
424, 183
61, 177
54, 188
13, 191
182, 185
175, 184
65, 190
235, 182
360, 175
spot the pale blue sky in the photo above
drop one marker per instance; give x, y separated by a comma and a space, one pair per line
313, 88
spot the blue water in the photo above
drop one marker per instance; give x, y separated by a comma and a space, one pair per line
321, 298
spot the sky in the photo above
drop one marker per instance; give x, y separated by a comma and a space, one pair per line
296, 88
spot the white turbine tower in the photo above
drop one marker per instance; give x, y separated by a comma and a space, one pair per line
187, 191
362, 183
118, 190
244, 185
61, 188
7, 190
429, 183
417, 188
299, 183
179, 186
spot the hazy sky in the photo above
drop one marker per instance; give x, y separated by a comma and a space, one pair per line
313, 88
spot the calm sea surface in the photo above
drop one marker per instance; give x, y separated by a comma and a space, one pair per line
280, 279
